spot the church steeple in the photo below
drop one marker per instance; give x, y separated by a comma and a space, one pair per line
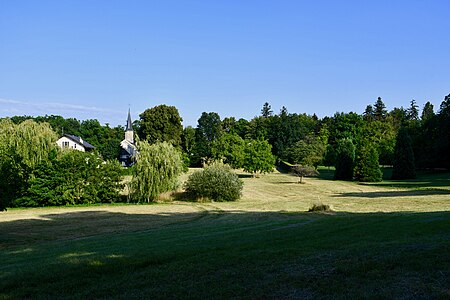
129, 129
129, 123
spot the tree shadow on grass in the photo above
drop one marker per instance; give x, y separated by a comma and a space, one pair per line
407, 193
226, 254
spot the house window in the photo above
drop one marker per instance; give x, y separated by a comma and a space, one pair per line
65, 144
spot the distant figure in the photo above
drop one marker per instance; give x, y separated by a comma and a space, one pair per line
127, 146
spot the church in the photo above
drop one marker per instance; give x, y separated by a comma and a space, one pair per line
127, 146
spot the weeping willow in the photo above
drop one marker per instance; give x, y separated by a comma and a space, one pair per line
22, 147
28, 141
156, 170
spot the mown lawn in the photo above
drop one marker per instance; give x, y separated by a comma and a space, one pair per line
384, 240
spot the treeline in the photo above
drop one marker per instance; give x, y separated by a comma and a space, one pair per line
356, 144
35, 172
105, 138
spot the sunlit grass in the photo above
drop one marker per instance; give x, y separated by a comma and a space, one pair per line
381, 241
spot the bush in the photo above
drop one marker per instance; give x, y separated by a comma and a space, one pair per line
216, 182
319, 207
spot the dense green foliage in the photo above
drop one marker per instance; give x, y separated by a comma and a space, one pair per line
209, 128
308, 152
156, 170
215, 182
23, 146
404, 167
161, 123
258, 157
229, 148
367, 167
345, 159
105, 139
73, 177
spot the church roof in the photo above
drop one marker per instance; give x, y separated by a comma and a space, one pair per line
129, 123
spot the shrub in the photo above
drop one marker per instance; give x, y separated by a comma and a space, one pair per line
319, 207
216, 182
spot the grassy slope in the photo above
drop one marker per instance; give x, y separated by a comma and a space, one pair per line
384, 240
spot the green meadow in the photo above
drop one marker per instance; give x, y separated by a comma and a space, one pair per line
381, 240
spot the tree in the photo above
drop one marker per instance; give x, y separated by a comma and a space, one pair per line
156, 170
404, 167
258, 157
209, 128
23, 146
161, 123
427, 112
367, 167
380, 111
230, 148
345, 158
73, 177
413, 111
188, 141
369, 113
307, 152
303, 171
266, 110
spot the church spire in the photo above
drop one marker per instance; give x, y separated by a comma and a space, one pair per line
129, 123
129, 129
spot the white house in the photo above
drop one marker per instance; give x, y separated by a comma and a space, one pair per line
127, 146
74, 142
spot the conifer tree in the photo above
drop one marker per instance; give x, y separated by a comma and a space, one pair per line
345, 157
367, 168
404, 167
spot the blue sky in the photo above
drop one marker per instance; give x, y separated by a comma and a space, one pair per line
94, 59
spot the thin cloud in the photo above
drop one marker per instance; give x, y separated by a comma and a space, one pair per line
10, 107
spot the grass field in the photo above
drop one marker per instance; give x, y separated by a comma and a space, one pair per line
383, 240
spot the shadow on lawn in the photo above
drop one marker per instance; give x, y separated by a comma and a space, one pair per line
407, 193
232, 254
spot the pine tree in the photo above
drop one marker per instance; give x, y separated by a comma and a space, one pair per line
380, 109
404, 167
266, 111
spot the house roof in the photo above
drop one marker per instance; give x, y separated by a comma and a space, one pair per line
79, 140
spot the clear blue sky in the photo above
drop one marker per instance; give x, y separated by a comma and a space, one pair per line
94, 58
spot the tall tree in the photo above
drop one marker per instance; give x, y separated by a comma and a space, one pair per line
209, 128
427, 112
369, 113
367, 168
345, 159
380, 111
161, 123
404, 167
413, 111
230, 148
266, 110
258, 157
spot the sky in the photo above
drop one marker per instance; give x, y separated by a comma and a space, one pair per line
95, 59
